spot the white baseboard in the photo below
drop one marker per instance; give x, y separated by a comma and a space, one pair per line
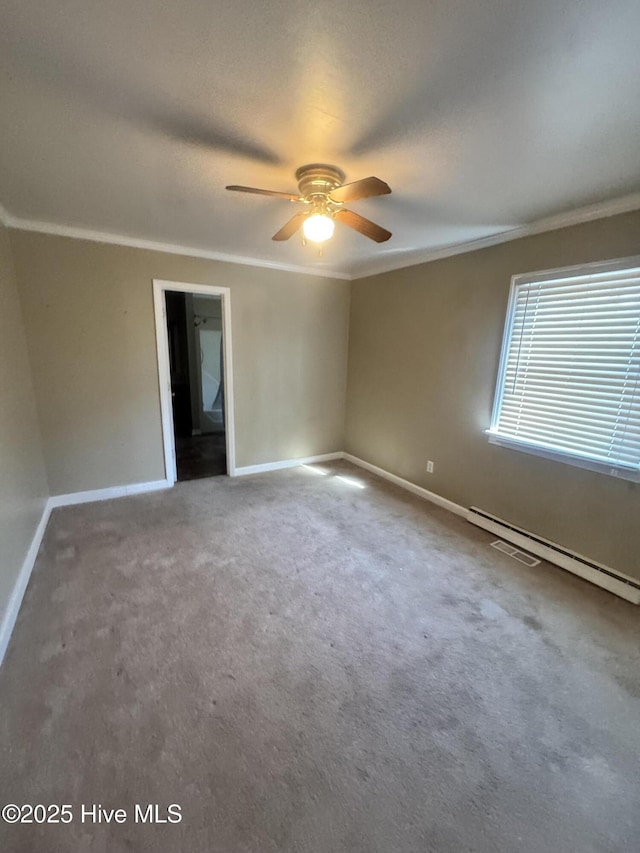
596, 573
613, 581
285, 463
109, 493
13, 606
445, 503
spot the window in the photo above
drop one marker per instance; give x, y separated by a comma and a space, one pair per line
569, 378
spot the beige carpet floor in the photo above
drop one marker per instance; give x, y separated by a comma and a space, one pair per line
305, 665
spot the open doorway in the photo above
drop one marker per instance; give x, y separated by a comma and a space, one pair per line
194, 330
194, 364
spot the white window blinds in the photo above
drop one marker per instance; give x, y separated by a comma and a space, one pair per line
569, 377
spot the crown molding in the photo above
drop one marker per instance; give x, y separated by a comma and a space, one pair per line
155, 246
601, 210
383, 264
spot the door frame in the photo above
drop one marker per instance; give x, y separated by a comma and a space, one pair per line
160, 286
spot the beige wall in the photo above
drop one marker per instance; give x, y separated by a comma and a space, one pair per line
88, 311
423, 358
23, 486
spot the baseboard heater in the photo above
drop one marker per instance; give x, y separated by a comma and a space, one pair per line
613, 581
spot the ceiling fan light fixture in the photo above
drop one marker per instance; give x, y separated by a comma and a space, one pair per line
318, 227
321, 187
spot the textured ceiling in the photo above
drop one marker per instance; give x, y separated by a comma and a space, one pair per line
482, 115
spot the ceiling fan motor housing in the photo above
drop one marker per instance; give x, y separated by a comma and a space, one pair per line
318, 179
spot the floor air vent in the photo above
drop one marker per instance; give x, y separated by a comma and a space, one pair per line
521, 556
614, 581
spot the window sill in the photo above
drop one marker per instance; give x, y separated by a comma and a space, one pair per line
546, 452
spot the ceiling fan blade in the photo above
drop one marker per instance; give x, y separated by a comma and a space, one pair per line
360, 189
290, 227
364, 226
255, 190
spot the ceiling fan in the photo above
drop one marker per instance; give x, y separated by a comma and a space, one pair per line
323, 191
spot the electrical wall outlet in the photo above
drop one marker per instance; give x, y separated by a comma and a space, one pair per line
429, 467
